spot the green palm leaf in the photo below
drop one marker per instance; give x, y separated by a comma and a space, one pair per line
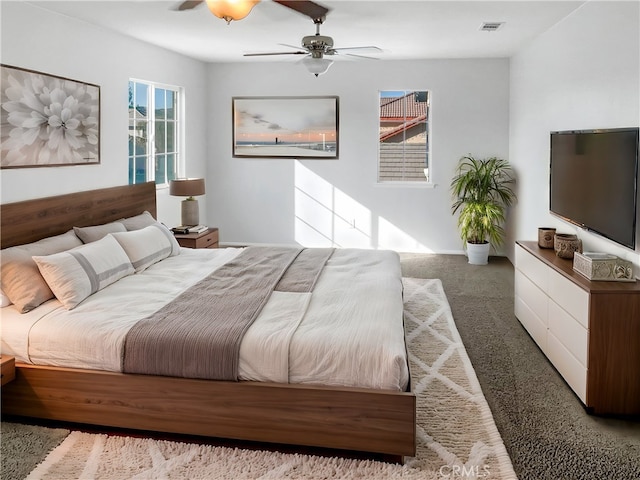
482, 190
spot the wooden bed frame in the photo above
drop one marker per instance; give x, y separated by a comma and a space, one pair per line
356, 419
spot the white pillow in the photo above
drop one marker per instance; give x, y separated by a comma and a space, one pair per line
4, 300
175, 246
146, 246
75, 274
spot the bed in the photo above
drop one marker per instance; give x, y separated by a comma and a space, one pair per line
259, 406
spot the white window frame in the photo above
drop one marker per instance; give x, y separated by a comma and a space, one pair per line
428, 182
178, 121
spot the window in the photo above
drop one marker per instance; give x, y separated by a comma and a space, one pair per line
154, 132
403, 155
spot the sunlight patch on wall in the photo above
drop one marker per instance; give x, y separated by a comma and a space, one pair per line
325, 216
393, 238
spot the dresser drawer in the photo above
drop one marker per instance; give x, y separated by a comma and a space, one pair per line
532, 296
537, 271
208, 241
569, 296
531, 323
574, 373
569, 332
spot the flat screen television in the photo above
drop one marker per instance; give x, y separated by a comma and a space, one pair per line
594, 181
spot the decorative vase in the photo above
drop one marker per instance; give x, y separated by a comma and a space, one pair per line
546, 236
566, 244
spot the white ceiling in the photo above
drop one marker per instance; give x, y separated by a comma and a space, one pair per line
402, 29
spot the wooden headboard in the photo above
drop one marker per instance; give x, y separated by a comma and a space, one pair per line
31, 220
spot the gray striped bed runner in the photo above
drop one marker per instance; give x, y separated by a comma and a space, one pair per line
198, 334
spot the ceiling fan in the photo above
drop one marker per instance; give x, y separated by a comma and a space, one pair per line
314, 47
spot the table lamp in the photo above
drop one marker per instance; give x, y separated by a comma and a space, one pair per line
188, 187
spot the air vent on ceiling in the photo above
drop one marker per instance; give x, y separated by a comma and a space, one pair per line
491, 26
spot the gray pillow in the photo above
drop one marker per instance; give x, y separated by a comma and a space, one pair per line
20, 279
97, 232
139, 221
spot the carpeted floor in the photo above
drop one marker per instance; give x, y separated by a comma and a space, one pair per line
544, 427
18, 458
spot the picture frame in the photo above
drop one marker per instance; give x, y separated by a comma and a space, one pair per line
47, 120
286, 127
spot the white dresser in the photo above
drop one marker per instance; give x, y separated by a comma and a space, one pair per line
589, 331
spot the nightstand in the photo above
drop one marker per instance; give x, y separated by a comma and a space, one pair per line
8, 368
206, 239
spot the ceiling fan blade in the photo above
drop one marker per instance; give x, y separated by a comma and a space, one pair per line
290, 46
359, 56
305, 7
274, 53
188, 5
369, 48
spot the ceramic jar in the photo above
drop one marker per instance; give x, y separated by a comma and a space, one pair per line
546, 237
566, 244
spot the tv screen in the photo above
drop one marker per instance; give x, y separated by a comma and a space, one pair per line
594, 181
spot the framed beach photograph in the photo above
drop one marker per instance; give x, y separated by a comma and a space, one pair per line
285, 127
46, 120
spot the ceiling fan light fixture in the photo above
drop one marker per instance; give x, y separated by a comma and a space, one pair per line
317, 65
231, 9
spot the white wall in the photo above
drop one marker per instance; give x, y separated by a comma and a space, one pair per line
584, 73
311, 202
315, 202
36, 39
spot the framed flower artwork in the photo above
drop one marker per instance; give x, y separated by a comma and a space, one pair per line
46, 120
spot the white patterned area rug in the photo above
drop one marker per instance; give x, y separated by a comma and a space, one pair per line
457, 437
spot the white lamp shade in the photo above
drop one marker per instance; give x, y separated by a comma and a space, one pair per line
317, 66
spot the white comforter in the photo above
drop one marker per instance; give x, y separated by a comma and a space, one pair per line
348, 332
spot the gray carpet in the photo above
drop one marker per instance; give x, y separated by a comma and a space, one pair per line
543, 425
545, 429
24, 446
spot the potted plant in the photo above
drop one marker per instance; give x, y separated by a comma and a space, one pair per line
482, 192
